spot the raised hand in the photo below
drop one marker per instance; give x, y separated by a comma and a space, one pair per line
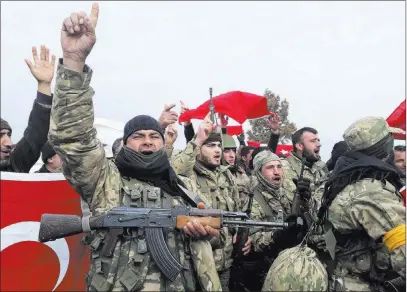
78, 35
43, 68
273, 122
171, 134
168, 116
184, 109
204, 130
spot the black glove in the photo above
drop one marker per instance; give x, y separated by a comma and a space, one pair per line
293, 234
303, 187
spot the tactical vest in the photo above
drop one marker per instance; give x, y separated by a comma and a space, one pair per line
357, 255
131, 267
217, 195
318, 171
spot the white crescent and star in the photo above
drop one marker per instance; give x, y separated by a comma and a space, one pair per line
28, 231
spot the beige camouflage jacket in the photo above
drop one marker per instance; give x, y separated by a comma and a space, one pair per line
217, 189
370, 207
98, 181
277, 200
292, 169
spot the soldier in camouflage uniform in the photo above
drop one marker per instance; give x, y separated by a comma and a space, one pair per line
305, 144
201, 162
140, 177
269, 197
365, 218
229, 159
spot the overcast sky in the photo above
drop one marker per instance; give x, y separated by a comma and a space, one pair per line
334, 62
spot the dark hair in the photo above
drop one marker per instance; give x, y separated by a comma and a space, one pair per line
116, 145
400, 148
245, 150
296, 137
255, 152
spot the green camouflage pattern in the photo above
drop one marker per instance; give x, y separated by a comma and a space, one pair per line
296, 269
277, 199
292, 169
243, 185
262, 158
97, 180
217, 189
375, 208
366, 132
184, 161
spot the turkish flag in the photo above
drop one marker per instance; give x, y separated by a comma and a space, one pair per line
234, 130
237, 105
284, 149
397, 119
26, 264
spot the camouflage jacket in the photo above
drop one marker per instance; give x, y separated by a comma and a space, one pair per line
276, 200
243, 186
217, 189
366, 211
292, 169
98, 181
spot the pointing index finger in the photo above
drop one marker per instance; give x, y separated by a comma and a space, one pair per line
94, 14
167, 108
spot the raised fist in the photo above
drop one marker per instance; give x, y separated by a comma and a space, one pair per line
78, 34
204, 130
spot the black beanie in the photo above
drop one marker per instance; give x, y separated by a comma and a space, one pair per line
213, 137
4, 125
47, 151
141, 122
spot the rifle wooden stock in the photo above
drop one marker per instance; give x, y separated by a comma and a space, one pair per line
205, 221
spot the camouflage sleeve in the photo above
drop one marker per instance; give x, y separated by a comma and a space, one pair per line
289, 175
260, 239
378, 210
216, 242
204, 264
183, 163
74, 139
169, 149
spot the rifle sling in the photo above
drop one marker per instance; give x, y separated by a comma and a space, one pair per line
263, 204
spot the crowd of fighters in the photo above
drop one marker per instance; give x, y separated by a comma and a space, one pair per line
353, 232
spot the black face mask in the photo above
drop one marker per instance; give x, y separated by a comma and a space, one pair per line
142, 166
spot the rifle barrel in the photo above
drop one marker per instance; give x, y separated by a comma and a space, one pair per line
256, 223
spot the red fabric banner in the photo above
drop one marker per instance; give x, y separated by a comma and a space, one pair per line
397, 119
234, 130
237, 105
26, 264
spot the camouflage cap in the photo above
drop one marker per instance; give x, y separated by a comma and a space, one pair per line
296, 269
366, 132
228, 141
264, 157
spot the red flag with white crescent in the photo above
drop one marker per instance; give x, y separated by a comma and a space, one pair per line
284, 149
26, 264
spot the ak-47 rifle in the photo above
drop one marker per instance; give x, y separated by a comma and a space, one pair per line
55, 226
212, 112
297, 200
